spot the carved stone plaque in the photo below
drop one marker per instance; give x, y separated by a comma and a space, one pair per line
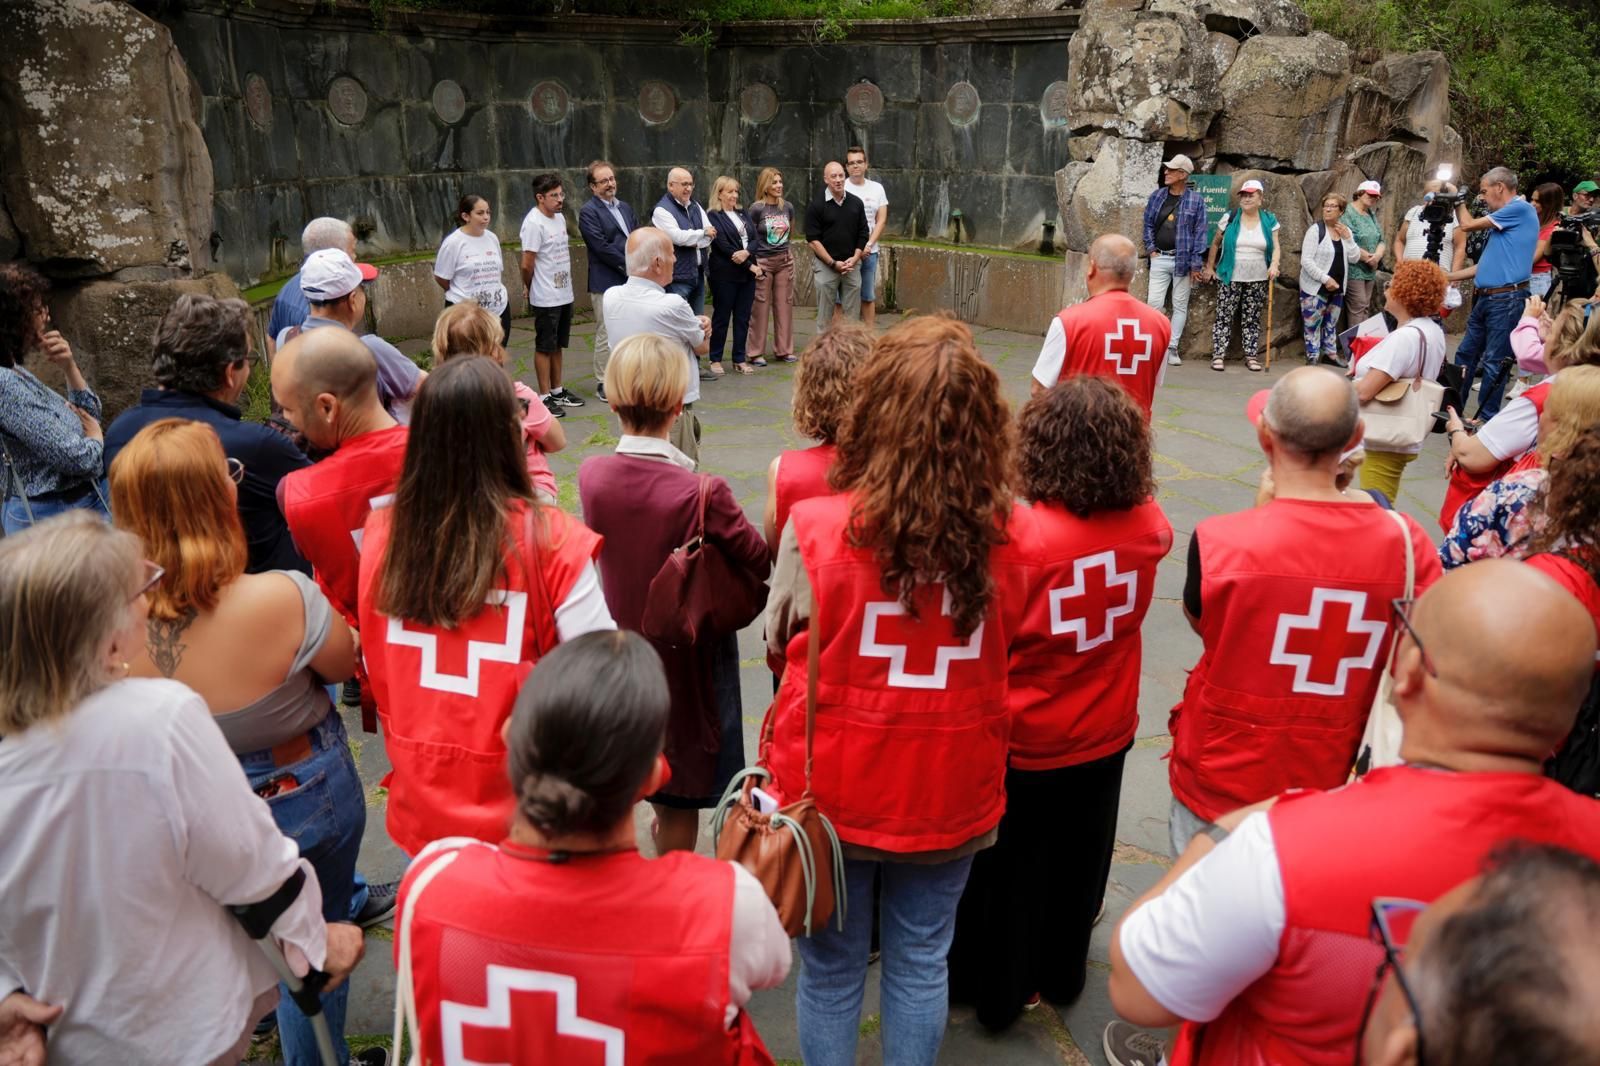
549, 102
449, 102
863, 102
347, 100
758, 103
961, 104
657, 102
1053, 105
258, 101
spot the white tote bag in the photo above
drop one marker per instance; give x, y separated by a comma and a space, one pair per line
1380, 744
1399, 417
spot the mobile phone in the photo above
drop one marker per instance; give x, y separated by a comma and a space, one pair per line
765, 803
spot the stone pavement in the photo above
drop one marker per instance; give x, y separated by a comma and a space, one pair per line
1207, 463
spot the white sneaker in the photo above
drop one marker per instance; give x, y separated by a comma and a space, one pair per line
1174, 359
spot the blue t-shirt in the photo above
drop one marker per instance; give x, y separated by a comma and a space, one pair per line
1508, 257
289, 309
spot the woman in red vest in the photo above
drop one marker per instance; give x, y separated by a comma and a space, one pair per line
909, 584
1023, 930
563, 944
466, 581
823, 384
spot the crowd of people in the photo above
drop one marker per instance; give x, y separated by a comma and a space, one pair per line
953, 598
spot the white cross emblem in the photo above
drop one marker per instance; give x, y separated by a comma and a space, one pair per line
372, 505
1128, 346
496, 1014
508, 650
1079, 627
1312, 620
899, 677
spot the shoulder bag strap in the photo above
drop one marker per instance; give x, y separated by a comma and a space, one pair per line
538, 596
1411, 561
405, 996
700, 520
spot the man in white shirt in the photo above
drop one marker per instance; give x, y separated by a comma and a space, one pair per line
644, 305
547, 275
876, 203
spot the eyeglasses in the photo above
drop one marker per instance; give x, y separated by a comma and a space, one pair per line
152, 577
1402, 614
235, 471
1390, 928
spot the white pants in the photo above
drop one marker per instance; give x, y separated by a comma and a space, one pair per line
1162, 279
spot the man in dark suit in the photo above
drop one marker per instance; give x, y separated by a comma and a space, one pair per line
605, 223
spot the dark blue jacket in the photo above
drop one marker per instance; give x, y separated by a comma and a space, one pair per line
725, 243
608, 247
267, 456
688, 262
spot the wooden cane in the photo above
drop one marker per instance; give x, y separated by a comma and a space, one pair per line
1269, 325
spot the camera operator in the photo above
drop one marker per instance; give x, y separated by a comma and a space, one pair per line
1412, 236
1501, 274
1585, 196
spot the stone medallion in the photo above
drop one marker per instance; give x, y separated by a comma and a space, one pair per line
347, 100
449, 102
258, 101
961, 104
549, 102
863, 102
657, 102
1053, 105
758, 103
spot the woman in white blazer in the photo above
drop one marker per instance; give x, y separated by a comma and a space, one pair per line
1325, 257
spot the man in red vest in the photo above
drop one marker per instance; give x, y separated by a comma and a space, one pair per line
1257, 940
1111, 333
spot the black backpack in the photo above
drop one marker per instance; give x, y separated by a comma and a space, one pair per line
1577, 764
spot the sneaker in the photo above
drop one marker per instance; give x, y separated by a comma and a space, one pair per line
600, 389
351, 696
371, 1056
565, 398
1031, 1003
552, 405
380, 903
1127, 1045
266, 1026
1101, 913
1174, 359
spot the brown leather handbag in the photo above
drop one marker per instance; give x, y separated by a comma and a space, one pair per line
794, 852
698, 593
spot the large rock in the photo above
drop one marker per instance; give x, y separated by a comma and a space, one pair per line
1242, 19
110, 326
1152, 77
1401, 170
1109, 196
1341, 178
1400, 98
105, 164
1283, 102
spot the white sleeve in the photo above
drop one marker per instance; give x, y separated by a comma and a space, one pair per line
529, 233
444, 263
1047, 371
1215, 930
584, 610
758, 948
663, 220
1511, 432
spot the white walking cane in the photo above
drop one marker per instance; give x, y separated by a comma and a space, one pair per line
257, 920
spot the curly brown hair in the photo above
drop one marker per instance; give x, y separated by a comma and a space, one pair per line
824, 380
927, 454
1572, 504
22, 290
1419, 285
1085, 444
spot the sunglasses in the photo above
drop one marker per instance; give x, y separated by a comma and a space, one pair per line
1390, 928
1401, 609
152, 577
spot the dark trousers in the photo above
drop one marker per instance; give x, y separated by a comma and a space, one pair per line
1486, 346
1025, 919
693, 291
731, 299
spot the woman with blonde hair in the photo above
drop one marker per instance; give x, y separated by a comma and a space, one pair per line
126, 829
468, 329
772, 222
734, 273
259, 649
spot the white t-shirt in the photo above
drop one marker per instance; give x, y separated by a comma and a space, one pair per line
474, 268
546, 238
1509, 434
1420, 342
1250, 253
1215, 930
1417, 238
872, 197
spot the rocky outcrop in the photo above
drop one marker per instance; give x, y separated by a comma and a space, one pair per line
1108, 196
1283, 102
1242, 19
1146, 76
1400, 98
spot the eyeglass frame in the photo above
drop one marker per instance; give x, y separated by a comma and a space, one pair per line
1400, 607
235, 470
153, 576
1378, 930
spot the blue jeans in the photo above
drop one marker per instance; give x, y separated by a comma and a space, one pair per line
1488, 343
326, 815
692, 291
731, 300
15, 518
917, 922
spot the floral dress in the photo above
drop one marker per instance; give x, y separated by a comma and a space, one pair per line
1500, 520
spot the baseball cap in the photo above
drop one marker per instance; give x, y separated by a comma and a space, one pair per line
1582, 186
1180, 162
1252, 186
331, 274
1257, 405
1371, 187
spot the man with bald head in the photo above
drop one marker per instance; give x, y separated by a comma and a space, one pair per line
838, 232
685, 224
1110, 334
1257, 939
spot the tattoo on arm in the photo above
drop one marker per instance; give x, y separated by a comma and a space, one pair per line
162, 641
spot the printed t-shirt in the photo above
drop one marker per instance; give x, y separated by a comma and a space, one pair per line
546, 237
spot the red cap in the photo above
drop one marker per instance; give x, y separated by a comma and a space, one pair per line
1256, 405
368, 271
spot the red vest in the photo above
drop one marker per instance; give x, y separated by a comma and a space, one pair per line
1401, 832
326, 505
1119, 337
443, 694
609, 960
1075, 663
1576, 580
802, 474
1295, 636
1464, 484
912, 725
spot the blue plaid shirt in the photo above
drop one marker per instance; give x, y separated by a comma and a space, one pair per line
1192, 231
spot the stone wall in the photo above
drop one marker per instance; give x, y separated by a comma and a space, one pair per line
309, 111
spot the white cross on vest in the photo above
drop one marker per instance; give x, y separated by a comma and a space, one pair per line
1326, 643
943, 656
495, 1014
1078, 626
1128, 346
506, 650
372, 505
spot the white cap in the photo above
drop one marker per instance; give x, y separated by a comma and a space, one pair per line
1369, 187
1180, 162
1252, 186
331, 274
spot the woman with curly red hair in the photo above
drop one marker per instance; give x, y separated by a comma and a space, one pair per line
1085, 460
909, 584
1415, 348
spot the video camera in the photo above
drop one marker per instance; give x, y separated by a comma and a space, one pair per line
1438, 211
1574, 269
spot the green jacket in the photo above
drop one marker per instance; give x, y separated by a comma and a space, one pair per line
1230, 236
